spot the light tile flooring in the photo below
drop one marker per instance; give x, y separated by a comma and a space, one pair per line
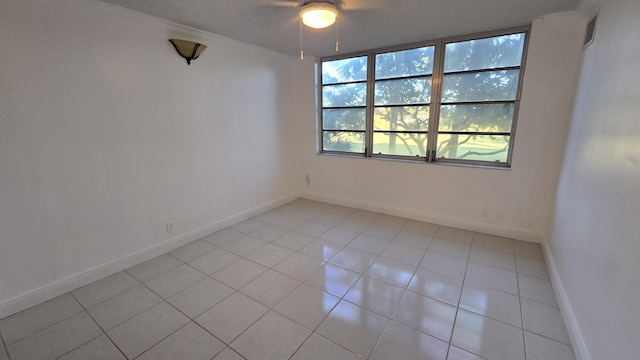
310, 280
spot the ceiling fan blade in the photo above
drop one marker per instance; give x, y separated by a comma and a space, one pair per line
366, 4
283, 3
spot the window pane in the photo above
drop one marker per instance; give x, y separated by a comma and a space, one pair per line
404, 144
343, 141
473, 147
405, 63
403, 91
343, 119
344, 95
495, 52
476, 118
344, 70
484, 86
401, 118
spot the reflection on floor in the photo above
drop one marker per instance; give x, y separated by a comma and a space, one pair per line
310, 280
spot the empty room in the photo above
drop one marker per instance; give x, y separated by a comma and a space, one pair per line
289, 179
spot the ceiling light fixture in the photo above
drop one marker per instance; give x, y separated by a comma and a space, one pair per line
188, 49
319, 15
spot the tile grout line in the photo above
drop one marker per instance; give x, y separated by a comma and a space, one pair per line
388, 319
272, 307
235, 291
137, 314
341, 299
455, 319
325, 261
313, 331
524, 344
46, 327
405, 289
4, 346
170, 304
53, 324
98, 325
166, 337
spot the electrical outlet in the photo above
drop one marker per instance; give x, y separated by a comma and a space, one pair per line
170, 226
307, 179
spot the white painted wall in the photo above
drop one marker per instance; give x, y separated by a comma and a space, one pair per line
594, 243
106, 134
515, 202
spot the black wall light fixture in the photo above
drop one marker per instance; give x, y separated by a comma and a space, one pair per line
188, 49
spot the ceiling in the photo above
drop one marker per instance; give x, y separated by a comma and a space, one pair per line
387, 22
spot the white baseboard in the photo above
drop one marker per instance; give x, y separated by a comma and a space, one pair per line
62, 286
571, 322
429, 217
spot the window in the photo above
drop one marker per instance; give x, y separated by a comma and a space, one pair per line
402, 98
344, 104
448, 101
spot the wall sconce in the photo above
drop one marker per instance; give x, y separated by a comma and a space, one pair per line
188, 49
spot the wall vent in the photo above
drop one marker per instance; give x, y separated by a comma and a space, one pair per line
591, 32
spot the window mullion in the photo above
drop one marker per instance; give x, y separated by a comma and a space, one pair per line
370, 106
436, 98
319, 107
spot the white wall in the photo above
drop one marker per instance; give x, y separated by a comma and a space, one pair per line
106, 134
594, 242
515, 202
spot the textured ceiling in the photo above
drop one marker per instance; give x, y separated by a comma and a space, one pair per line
264, 23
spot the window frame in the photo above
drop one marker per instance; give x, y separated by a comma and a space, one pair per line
435, 104
370, 120
321, 107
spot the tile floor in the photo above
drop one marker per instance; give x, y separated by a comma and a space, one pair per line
310, 280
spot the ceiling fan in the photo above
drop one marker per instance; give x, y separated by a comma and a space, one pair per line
319, 14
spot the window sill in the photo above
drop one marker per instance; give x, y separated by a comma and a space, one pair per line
408, 160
